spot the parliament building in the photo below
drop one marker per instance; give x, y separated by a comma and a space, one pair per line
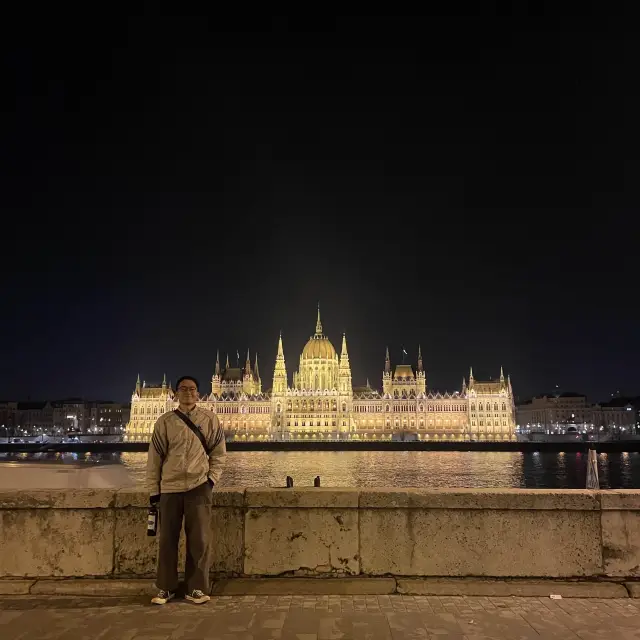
322, 403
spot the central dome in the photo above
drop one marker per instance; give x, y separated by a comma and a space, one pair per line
319, 346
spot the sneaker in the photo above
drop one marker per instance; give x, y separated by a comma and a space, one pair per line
197, 597
163, 597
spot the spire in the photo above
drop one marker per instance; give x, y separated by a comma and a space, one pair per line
280, 349
470, 374
217, 362
227, 365
419, 358
501, 375
248, 363
368, 385
164, 381
344, 353
387, 362
318, 323
138, 384
464, 383
255, 368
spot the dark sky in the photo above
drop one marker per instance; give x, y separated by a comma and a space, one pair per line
173, 185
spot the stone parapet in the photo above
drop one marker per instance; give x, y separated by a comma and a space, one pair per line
334, 532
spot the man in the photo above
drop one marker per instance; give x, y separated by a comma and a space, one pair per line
180, 476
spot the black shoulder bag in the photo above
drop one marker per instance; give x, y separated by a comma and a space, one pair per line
193, 428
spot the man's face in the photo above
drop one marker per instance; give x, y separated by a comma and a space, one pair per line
188, 392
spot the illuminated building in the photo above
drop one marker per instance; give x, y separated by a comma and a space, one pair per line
322, 404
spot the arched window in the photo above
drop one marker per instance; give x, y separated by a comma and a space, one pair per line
504, 406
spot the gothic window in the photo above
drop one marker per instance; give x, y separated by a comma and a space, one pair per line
387, 408
344, 406
495, 406
481, 423
480, 407
504, 406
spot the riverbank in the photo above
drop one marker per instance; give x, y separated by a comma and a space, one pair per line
613, 446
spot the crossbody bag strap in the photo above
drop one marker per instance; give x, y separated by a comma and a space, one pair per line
193, 428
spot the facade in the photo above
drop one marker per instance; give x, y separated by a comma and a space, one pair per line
322, 404
571, 411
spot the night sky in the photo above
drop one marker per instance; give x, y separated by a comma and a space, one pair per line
174, 185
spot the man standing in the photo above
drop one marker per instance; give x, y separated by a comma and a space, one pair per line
185, 461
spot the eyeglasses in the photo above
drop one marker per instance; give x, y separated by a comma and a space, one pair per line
188, 389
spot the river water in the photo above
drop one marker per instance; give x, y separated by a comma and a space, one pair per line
394, 468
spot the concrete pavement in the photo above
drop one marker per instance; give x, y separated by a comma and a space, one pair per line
318, 617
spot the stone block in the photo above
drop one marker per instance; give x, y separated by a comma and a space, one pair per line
135, 552
56, 542
621, 543
620, 500
227, 533
57, 499
307, 541
308, 497
98, 587
304, 586
506, 588
410, 542
15, 587
504, 499
633, 588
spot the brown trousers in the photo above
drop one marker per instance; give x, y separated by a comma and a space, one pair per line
195, 507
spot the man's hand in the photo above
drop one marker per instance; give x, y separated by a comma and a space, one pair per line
154, 499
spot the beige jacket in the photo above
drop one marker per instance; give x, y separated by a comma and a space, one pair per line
177, 460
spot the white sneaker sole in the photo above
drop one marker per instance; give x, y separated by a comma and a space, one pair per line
161, 601
197, 600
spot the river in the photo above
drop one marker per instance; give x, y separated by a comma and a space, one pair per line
394, 468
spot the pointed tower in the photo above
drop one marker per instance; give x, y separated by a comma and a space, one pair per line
256, 376
280, 372
164, 382
138, 387
216, 380
386, 376
464, 386
344, 370
247, 378
421, 379
318, 323
503, 384
471, 380
226, 366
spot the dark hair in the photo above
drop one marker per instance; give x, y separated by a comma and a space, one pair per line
188, 378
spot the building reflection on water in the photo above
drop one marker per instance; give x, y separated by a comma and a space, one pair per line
433, 469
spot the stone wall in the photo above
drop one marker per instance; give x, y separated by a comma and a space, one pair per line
335, 532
